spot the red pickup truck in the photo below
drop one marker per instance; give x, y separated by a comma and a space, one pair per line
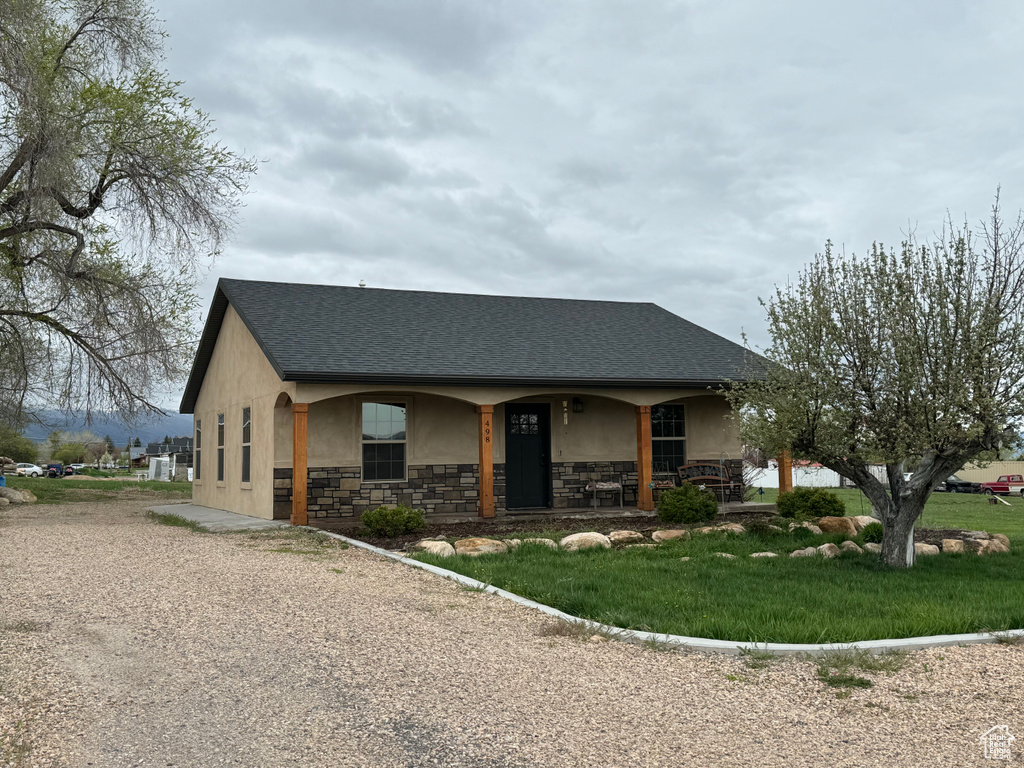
1005, 485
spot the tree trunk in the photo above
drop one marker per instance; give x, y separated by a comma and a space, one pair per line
898, 539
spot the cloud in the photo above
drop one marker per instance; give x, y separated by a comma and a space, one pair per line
688, 153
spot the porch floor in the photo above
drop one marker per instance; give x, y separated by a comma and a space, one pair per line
572, 513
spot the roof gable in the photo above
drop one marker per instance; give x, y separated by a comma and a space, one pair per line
341, 334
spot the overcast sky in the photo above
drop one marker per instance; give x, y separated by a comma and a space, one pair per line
692, 154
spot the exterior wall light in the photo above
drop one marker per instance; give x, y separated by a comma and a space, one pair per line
577, 405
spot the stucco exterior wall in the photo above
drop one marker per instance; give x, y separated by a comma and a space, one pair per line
238, 376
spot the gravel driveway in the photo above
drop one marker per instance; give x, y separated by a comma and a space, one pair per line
127, 643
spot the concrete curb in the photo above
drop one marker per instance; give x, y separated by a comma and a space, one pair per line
704, 644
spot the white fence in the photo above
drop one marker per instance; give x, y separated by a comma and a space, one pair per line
804, 477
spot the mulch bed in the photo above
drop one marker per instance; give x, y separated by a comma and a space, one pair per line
504, 527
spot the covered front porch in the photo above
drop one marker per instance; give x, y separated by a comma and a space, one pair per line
481, 452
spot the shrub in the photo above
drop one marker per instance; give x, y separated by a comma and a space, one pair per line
687, 504
392, 521
808, 503
872, 532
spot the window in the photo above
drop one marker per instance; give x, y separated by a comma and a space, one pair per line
383, 441
246, 443
198, 463
668, 437
220, 447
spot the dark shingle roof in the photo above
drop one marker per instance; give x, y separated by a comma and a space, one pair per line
339, 334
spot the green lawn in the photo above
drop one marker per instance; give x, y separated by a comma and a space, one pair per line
66, 490
791, 600
947, 510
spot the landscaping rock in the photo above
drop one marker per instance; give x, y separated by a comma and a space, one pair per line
543, 542
991, 547
873, 548
861, 521
684, 559
640, 546
764, 554
809, 552
980, 535
3, 502
587, 540
953, 546
625, 537
850, 546
837, 525
1002, 539
476, 546
598, 639
775, 528
670, 535
512, 544
726, 555
809, 526
925, 549
16, 496
735, 528
434, 547
829, 550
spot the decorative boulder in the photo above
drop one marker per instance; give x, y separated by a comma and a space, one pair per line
15, 496
659, 536
953, 546
542, 542
850, 546
809, 552
512, 544
873, 548
726, 555
829, 550
1001, 538
842, 525
925, 549
992, 547
439, 548
625, 537
4, 502
860, 521
764, 554
735, 528
587, 540
475, 546
809, 526
980, 535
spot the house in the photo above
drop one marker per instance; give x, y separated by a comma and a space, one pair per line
326, 401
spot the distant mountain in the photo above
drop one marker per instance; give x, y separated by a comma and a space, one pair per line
150, 430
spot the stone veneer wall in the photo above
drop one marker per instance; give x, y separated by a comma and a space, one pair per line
450, 489
338, 491
569, 479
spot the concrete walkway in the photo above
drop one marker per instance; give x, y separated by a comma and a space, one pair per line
218, 519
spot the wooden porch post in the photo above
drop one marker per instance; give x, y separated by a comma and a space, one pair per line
486, 460
644, 492
299, 463
785, 472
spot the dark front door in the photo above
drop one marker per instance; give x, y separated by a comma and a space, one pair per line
527, 455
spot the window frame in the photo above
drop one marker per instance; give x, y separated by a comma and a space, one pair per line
220, 447
246, 458
669, 438
403, 403
197, 461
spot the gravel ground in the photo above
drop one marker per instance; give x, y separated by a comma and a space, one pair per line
126, 643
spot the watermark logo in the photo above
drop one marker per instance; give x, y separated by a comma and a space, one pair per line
997, 742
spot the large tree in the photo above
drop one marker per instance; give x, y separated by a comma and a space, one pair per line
113, 192
915, 353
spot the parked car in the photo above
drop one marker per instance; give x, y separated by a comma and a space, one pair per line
954, 484
30, 470
55, 470
1005, 485
77, 467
